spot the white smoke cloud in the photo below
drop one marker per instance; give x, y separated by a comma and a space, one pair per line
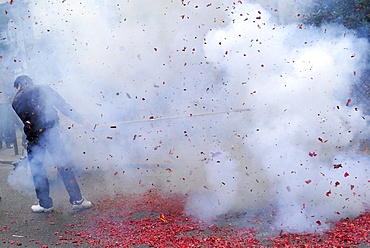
297, 81
119, 61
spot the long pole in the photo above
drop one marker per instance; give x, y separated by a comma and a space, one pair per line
151, 119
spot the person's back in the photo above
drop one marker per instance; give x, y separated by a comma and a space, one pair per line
37, 107
35, 110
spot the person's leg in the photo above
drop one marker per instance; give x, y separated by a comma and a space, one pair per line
58, 153
36, 154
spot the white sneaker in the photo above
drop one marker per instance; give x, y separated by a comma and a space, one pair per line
81, 204
39, 209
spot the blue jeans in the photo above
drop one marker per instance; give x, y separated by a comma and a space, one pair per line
51, 141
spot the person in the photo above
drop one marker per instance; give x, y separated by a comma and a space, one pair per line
37, 106
6, 123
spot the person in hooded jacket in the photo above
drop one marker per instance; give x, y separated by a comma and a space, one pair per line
37, 106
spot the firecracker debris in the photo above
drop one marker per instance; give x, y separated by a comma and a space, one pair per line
151, 219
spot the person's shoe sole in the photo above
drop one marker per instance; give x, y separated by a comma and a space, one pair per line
39, 209
83, 206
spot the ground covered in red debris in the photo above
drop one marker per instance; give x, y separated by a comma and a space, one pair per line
157, 220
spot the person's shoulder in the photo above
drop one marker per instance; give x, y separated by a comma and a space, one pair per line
45, 88
35, 89
28, 88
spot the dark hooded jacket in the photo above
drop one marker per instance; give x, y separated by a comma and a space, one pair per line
37, 105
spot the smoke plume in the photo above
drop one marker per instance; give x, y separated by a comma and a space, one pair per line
296, 152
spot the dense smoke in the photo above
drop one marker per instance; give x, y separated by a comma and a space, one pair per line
295, 152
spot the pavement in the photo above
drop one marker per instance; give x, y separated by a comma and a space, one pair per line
19, 226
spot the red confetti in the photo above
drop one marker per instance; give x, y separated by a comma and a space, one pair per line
115, 173
337, 166
328, 193
127, 221
348, 102
346, 174
312, 154
322, 141
352, 186
308, 181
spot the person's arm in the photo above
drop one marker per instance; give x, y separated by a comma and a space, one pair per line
65, 108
